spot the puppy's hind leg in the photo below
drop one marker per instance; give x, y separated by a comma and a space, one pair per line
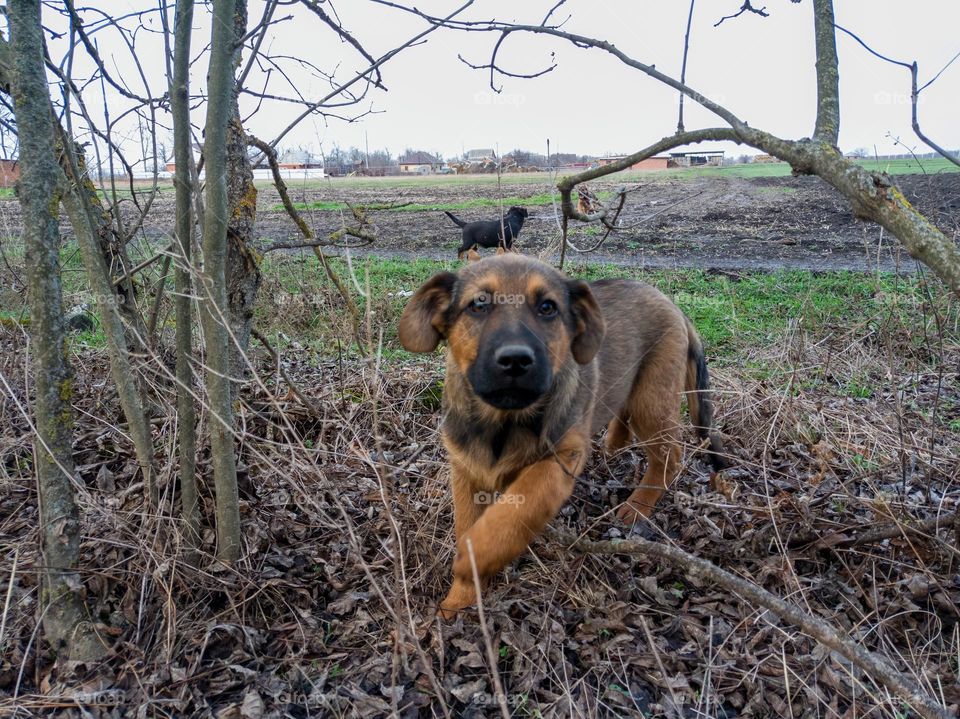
655, 419
618, 434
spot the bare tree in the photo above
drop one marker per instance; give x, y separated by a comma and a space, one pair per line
64, 616
243, 271
873, 195
183, 282
121, 368
215, 303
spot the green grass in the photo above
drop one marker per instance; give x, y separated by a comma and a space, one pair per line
730, 315
297, 301
782, 169
768, 169
541, 199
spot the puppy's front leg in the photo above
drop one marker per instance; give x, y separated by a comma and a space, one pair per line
506, 528
466, 507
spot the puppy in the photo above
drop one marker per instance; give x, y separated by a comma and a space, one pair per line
490, 233
537, 364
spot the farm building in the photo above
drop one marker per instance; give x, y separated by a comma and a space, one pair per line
9, 172
299, 160
658, 162
481, 155
711, 158
292, 163
419, 163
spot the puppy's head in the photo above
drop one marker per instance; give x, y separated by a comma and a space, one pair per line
520, 212
511, 324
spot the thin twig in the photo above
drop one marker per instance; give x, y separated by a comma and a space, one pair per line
873, 664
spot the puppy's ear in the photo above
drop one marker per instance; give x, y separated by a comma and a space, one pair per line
501, 250
421, 324
589, 326
473, 255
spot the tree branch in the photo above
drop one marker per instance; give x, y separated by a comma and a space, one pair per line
872, 664
746, 7
271, 154
566, 185
828, 77
914, 93
872, 195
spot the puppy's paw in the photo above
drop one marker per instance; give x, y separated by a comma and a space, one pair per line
461, 595
635, 509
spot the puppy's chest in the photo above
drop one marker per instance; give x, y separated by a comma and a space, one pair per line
494, 452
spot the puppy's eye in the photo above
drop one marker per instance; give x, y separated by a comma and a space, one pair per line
547, 308
480, 305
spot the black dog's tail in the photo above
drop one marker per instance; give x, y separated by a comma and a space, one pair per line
700, 402
457, 220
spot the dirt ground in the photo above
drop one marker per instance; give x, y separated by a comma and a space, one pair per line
709, 222
725, 223
842, 502
348, 540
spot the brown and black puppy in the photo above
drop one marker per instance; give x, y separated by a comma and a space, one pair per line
538, 363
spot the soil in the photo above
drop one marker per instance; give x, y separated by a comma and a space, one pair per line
723, 223
726, 223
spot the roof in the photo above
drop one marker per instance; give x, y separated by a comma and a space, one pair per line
697, 152
481, 154
293, 156
417, 158
614, 158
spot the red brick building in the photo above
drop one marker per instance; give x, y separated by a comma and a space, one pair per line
9, 172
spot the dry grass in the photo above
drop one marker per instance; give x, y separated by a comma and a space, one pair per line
348, 539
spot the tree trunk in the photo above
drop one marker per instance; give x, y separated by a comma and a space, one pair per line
64, 616
113, 250
121, 369
111, 247
243, 272
215, 311
183, 281
828, 76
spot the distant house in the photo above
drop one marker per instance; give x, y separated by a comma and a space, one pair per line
419, 163
293, 164
658, 162
703, 158
9, 172
481, 155
171, 166
299, 160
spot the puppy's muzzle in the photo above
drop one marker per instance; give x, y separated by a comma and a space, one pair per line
514, 375
514, 360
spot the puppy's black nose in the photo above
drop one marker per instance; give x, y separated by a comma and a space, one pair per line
514, 360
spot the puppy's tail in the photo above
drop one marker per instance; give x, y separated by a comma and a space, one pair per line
700, 402
457, 220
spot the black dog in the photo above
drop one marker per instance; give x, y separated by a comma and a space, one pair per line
490, 233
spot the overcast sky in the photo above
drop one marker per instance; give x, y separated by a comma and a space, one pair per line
760, 68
